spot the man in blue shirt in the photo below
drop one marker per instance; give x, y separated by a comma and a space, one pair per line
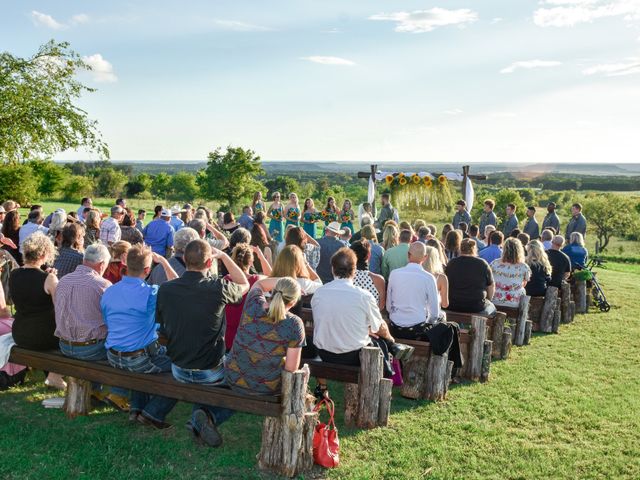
129, 312
531, 226
474, 232
511, 222
246, 219
158, 234
577, 223
551, 219
176, 222
487, 217
461, 215
494, 250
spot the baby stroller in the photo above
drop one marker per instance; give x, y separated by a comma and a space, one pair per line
597, 294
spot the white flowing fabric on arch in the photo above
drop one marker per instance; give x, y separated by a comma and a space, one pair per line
470, 195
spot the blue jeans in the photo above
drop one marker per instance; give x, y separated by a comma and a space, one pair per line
91, 353
153, 406
204, 377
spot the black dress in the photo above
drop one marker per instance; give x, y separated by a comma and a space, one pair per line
34, 321
537, 284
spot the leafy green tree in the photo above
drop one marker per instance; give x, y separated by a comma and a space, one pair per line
506, 196
37, 112
76, 187
49, 175
109, 182
160, 185
17, 182
139, 184
282, 184
183, 187
609, 215
230, 176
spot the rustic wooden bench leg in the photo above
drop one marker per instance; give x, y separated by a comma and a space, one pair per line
486, 360
287, 440
556, 317
528, 328
384, 407
548, 309
505, 346
581, 296
523, 316
369, 387
497, 333
572, 310
78, 398
566, 300
438, 376
350, 404
414, 376
476, 349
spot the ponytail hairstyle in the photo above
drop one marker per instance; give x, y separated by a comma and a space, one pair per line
242, 256
286, 291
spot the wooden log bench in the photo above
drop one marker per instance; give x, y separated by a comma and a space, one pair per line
287, 432
496, 332
521, 326
544, 312
568, 305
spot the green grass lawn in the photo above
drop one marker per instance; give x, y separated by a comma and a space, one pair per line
565, 407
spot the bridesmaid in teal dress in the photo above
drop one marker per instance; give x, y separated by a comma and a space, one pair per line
292, 211
275, 213
347, 215
258, 204
330, 212
309, 217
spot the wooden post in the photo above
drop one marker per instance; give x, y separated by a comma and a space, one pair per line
478, 336
369, 387
414, 376
465, 179
581, 296
486, 360
548, 309
384, 407
566, 300
437, 379
505, 344
77, 400
374, 169
572, 310
496, 334
535, 312
528, 328
350, 404
556, 317
588, 298
287, 440
523, 316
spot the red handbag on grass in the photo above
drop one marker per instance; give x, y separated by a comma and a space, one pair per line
326, 445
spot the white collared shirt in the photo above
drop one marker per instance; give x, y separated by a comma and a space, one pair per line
412, 296
342, 316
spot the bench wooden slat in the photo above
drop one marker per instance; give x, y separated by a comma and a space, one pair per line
332, 371
156, 384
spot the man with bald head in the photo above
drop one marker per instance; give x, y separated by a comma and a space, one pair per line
414, 310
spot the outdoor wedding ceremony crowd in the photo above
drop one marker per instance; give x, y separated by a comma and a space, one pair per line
216, 299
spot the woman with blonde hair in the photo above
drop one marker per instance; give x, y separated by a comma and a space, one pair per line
290, 262
433, 264
377, 250
576, 251
118, 264
510, 274
538, 262
390, 236
268, 339
33, 291
92, 227
292, 211
437, 244
452, 244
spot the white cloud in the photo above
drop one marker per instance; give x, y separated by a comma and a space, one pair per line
237, 26
631, 67
420, 21
503, 115
79, 19
329, 60
44, 20
496, 20
567, 13
453, 111
101, 70
530, 64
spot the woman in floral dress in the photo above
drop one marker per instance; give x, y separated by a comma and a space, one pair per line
510, 274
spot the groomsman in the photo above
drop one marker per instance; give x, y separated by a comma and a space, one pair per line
551, 219
462, 215
487, 217
531, 226
577, 223
511, 222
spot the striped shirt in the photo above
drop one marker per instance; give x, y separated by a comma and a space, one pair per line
110, 231
77, 305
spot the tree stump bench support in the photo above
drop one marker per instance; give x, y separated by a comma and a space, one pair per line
425, 375
566, 299
581, 296
494, 325
519, 317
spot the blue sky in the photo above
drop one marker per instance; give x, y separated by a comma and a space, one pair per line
511, 80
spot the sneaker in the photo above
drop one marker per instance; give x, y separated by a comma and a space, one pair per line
206, 429
400, 351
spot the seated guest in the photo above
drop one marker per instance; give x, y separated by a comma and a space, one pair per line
291, 263
424, 233
344, 317
346, 236
92, 227
309, 246
547, 237
404, 225
190, 311
261, 239
142, 213
576, 251
176, 221
464, 229
11, 231
240, 235
246, 219
11, 374
433, 229
445, 231
70, 253
79, 323
243, 256
364, 221
377, 252
229, 224
560, 262
515, 233
390, 236
473, 234
158, 234
471, 284
366, 280
32, 291
433, 264
540, 269
182, 238
200, 225
117, 266
128, 230
129, 312
437, 244
452, 244
511, 274
329, 244
524, 239
32, 225
413, 304
396, 257
269, 339
494, 249
488, 230
58, 220
110, 231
